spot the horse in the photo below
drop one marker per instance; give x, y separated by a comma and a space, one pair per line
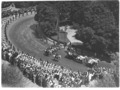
56, 57
69, 54
48, 52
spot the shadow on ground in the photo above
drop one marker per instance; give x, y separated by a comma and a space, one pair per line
36, 31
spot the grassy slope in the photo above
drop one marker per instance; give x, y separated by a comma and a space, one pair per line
13, 77
62, 37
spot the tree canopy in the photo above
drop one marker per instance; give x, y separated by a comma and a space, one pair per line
97, 22
102, 22
47, 17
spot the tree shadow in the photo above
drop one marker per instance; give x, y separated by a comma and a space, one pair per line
68, 57
36, 31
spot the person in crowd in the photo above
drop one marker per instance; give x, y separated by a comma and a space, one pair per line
12, 59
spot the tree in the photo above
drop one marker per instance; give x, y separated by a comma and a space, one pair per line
85, 34
107, 81
99, 44
48, 18
23, 4
113, 5
63, 9
6, 4
102, 22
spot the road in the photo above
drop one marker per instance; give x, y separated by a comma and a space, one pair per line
21, 34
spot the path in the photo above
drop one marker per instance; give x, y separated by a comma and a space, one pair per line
21, 35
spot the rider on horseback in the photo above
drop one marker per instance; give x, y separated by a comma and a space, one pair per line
56, 57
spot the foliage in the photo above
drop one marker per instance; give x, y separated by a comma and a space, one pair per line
6, 4
97, 22
24, 4
107, 81
101, 21
47, 17
115, 59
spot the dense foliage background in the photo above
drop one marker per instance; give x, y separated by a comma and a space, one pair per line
96, 21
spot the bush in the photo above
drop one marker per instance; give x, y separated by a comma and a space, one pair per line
107, 81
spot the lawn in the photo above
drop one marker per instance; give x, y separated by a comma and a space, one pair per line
62, 37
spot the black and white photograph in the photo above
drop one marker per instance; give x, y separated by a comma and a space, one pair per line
60, 44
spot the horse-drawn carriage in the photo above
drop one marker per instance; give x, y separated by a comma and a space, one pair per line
88, 61
70, 52
51, 50
92, 62
81, 59
71, 55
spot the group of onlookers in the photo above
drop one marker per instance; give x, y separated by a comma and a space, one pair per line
47, 74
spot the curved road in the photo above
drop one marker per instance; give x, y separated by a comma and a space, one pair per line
21, 34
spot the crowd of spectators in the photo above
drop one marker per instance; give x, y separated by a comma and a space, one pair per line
44, 73
12, 11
